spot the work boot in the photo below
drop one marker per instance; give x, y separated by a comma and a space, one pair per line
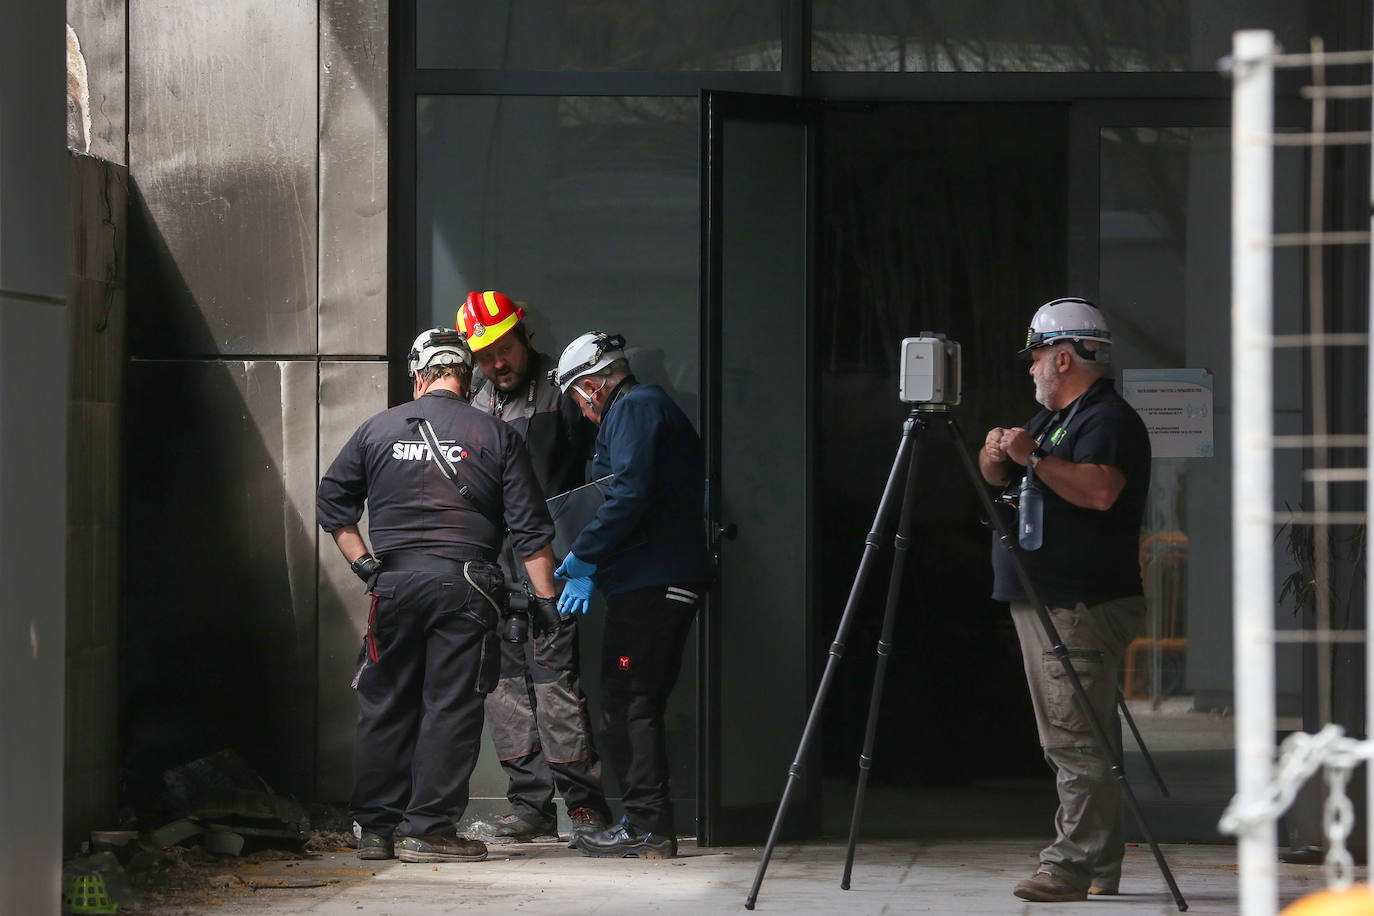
1043, 887
438, 848
512, 828
376, 846
624, 842
1105, 889
584, 820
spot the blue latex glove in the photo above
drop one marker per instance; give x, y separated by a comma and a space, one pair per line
576, 597
574, 568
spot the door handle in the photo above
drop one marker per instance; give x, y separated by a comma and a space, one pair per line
727, 531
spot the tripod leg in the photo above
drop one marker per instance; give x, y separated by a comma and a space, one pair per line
1140, 743
836, 650
1062, 654
894, 592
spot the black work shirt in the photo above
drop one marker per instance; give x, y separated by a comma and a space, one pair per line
413, 506
1088, 555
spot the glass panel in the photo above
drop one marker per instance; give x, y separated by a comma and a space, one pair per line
763, 298
1165, 284
586, 210
1040, 36
598, 35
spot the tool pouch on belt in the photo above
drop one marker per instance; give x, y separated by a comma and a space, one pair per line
488, 580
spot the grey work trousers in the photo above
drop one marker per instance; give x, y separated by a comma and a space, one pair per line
539, 725
1089, 841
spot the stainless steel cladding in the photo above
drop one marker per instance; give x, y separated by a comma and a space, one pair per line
222, 149
353, 177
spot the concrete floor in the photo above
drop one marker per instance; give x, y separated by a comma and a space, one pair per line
963, 876
951, 850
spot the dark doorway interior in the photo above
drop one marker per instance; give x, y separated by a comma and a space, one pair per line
947, 218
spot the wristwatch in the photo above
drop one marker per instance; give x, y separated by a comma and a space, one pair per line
1036, 455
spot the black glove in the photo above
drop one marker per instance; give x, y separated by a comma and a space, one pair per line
544, 615
365, 567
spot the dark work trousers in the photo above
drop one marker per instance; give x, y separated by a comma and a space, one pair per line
641, 655
428, 657
539, 726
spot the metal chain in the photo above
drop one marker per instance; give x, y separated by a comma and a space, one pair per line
1338, 819
1300, 755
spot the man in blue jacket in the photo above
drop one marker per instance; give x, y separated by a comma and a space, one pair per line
646, 551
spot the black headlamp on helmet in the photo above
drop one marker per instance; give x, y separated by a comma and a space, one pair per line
588, 353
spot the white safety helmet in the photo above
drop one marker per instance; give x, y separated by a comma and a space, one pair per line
589, 353
1067, 319
438, 347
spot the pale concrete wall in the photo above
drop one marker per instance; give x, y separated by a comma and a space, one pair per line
33, 445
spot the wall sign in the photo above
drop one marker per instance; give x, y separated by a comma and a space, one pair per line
1176, 405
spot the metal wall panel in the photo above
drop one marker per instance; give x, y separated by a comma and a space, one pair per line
350, 392
221, 608
353, 177
102, 28
222, 147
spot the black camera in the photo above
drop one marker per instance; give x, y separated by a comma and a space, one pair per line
515, 618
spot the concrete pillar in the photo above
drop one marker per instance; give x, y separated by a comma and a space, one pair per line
34, 266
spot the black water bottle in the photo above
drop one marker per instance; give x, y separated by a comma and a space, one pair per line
1032, 514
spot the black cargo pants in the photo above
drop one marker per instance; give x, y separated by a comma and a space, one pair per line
429, 657
641, 656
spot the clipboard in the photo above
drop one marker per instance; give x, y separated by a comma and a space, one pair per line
573, 510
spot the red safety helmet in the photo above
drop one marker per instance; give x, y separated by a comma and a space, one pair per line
487, 317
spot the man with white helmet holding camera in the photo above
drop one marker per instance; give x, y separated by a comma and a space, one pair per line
442, 482
1088, 453
646, 552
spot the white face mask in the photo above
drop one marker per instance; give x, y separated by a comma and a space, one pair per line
588, 397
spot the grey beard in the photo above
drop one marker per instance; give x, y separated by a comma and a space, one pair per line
1045, 389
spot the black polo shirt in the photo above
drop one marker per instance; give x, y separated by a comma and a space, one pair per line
1087, 555
412, 506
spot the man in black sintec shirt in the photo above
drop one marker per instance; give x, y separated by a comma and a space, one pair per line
436, 517
1090, 456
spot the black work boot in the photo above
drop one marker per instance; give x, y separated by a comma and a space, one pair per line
624, 842
375, 846
584, 820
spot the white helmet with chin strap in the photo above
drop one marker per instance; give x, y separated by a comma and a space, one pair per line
438, 347
589, 353
1069, 319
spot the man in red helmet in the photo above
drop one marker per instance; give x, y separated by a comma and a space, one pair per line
538, 715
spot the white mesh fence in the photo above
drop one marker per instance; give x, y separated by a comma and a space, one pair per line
1265, 790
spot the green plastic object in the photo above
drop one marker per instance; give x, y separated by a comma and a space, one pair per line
88, 895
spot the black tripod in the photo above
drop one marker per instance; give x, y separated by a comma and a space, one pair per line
918, 423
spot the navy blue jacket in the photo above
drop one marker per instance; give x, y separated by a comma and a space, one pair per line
651, 529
